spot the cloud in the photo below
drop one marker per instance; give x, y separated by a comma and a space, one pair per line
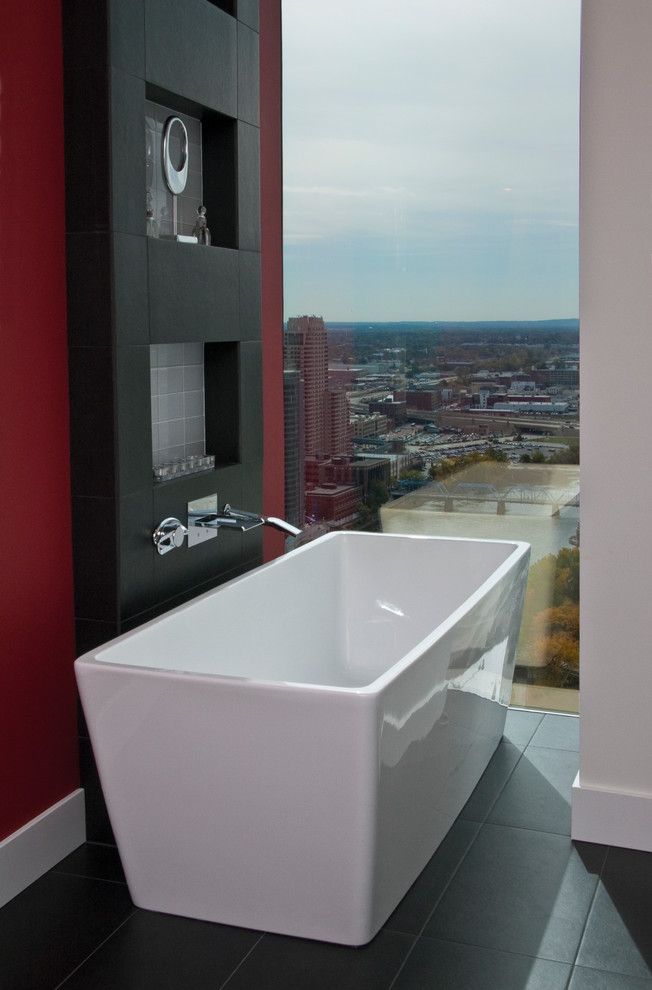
409, 123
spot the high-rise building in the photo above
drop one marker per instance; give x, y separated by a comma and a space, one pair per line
294, 452
306, 351
321, 412
326, 427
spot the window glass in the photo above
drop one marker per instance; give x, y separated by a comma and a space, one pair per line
431, 299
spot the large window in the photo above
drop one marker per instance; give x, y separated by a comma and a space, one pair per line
431, 338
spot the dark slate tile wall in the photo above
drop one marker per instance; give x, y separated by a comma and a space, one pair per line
128, 291
191, 49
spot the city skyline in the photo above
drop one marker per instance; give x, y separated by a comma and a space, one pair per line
430, 160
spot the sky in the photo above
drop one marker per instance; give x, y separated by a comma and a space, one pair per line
431, 159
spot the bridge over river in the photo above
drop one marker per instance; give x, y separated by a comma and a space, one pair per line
447, 495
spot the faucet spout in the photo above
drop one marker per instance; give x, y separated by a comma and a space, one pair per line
282, 525
230, 518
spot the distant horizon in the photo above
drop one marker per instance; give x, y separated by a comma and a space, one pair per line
438, 323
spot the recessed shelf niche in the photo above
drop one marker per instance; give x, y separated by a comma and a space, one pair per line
212, 169
194, 397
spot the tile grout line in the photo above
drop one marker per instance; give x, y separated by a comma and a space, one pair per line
493, 804
96, 949
551, 749
404, 962
493, 948
588, 914
242, 961
87, 876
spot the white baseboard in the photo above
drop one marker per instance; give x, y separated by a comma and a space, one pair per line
612, 818
35, 848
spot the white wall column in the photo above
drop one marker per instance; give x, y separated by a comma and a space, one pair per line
612, 799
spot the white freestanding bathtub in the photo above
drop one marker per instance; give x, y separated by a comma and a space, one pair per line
287, 751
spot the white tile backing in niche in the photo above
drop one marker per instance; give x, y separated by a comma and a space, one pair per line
178, 418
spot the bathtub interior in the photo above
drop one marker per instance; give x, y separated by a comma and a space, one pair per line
339, 612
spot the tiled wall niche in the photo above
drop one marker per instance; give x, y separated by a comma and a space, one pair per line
215, 143
177, 393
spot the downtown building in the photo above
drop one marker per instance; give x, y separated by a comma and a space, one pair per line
319, 410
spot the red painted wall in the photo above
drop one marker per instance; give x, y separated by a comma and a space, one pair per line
38, 734
272, 268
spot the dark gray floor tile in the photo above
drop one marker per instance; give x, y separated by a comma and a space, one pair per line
538, 793
558, 732
438, 965
491, 783
415, 908
520, 891
98, 862
163, 952
594, 979
618, 935
520, 726
54, 925
296, 964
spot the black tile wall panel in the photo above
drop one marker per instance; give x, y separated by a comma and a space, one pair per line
252, 487
88, 159
250, 311
130, 302
191, 49
252, 492
248, 13
134, 418
251, 403
90, 633
127, 153
137, 552
248, 187
187, 594
127, 35
92, 433
248, 75
127, 291
88, 255
95, 558
193, 292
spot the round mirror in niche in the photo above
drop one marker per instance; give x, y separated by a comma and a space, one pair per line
175, 155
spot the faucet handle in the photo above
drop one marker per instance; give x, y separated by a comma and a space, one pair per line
248, 520
169, 535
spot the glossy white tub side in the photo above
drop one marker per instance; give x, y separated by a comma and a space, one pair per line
442, 718
239, 803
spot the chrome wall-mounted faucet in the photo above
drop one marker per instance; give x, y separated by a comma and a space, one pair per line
171, 533
239, 519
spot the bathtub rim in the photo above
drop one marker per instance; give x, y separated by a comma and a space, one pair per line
520, 549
